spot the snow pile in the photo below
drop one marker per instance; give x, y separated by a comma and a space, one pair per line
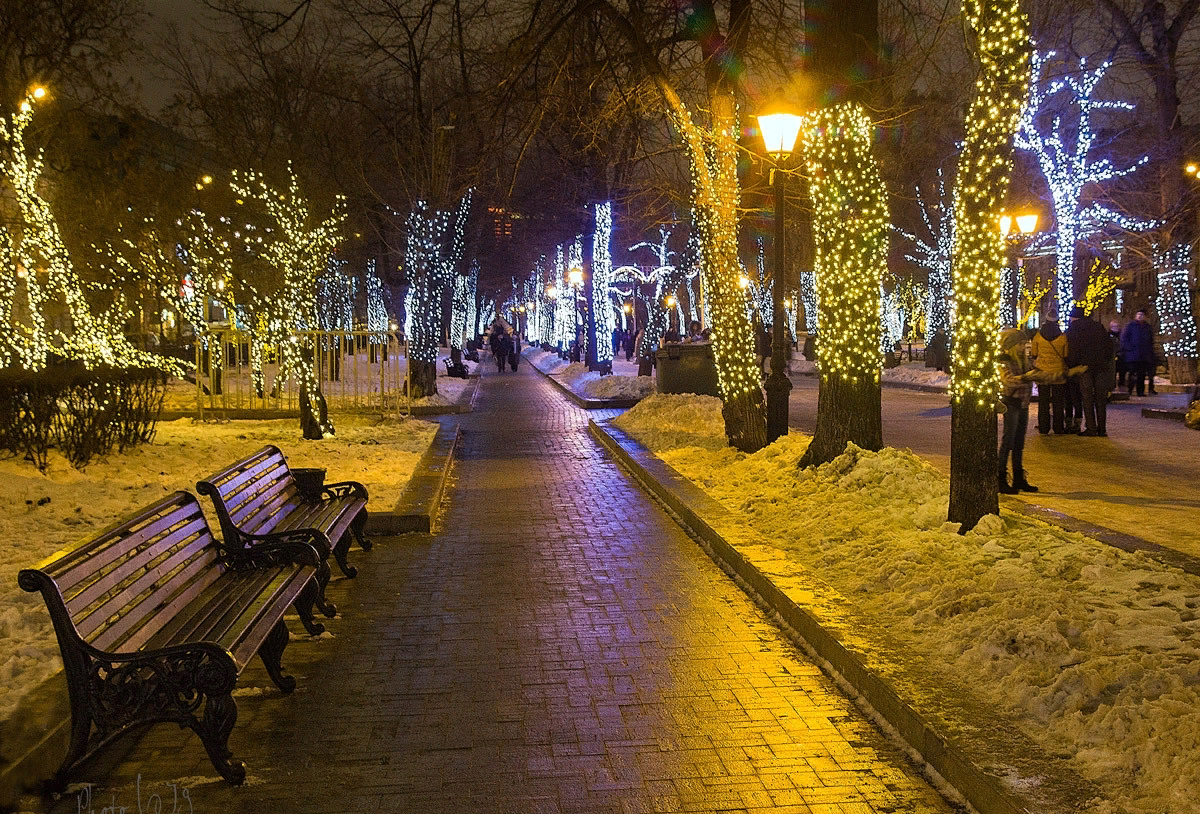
917, 374
1094, 649
544, 361
40, 514
619, 387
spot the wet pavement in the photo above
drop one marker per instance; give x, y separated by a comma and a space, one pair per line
560, 645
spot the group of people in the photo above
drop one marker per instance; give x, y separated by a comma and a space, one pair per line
1075, 370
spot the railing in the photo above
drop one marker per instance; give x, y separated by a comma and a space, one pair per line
357, 370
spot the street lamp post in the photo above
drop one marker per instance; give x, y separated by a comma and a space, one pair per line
779, 131
1026, 225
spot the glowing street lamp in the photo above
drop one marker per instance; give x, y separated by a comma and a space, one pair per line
779, 131
1026, 224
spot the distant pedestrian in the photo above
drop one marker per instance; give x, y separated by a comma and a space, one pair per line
514, 353
618, 340
1088, 345
1049, 350
694, 333
501, 345
1018, 392
1114, 334
1137, 342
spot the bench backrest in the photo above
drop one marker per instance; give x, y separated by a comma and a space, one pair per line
252, 495
116, 591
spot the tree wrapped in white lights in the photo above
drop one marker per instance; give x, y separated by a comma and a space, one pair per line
298, 249
984, 170
1174, 307
1064, 154
38, 277
434, 247
602, 280
934, 254
850, 223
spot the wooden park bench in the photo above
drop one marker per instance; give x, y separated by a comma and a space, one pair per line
259, 498
156, 620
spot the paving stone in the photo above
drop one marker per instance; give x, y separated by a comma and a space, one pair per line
560, 645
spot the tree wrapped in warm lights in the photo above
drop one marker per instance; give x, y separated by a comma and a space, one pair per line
984, 169
39, 283
1101, 283
299, 248
850, 225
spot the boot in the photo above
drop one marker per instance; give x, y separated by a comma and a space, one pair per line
1020, 484
1005, 489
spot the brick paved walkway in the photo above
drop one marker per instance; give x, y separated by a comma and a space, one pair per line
560, 646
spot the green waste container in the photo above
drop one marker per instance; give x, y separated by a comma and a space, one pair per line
686, 367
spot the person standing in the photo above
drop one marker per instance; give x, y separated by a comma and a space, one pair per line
1014, 375
1088, 345
514, 351
1114, 335
1050, 360
1137, 343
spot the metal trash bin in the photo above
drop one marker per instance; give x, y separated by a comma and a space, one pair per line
686, 367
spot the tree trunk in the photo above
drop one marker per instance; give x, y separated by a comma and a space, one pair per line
1181, 369
422, 378
984, 168
974, 463
314, 413
847, 412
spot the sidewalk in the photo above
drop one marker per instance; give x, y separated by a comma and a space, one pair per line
560, 646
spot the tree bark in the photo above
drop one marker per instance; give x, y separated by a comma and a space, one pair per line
848, 412
422, 378
974, 463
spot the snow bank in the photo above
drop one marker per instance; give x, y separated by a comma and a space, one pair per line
40, 514
1093, 649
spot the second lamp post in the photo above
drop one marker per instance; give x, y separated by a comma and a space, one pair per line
779, 132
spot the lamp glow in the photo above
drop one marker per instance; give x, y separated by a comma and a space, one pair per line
779, 132
1027, 223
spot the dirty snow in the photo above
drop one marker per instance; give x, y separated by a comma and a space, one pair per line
1095, 650
40, 514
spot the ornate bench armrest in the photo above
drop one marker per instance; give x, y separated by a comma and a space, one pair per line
296, 546
346, 488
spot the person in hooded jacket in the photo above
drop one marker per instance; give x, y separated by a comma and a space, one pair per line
1050, 359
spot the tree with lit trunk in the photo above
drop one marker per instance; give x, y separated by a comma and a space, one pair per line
711, 148
984, 170
850, 225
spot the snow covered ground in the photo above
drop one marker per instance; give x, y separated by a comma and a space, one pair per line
1096, 651
623, 383
40, 514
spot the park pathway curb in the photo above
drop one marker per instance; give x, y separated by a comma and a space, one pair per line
981, 755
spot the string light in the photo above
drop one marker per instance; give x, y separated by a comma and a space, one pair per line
935, 256
984, 169
1173, 302
850, 224
38, 254
602, 279
1063, 152
296, 250
1101, 283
